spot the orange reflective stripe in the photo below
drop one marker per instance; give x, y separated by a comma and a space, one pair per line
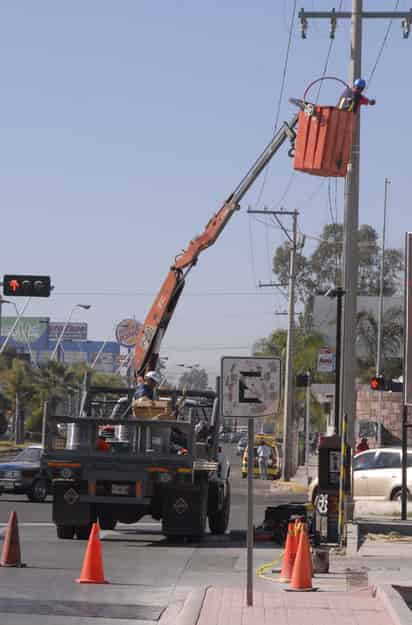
92, 488
64, 464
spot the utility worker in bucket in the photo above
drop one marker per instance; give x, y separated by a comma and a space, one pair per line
146, 386
352, 98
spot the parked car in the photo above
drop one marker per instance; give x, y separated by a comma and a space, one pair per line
241, 446
377, 474
21, 475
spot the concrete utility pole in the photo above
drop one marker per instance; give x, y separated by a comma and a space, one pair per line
351, 213
288, 394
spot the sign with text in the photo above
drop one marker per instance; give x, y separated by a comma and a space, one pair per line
250, 387
126, 332
407, 377
326, 360
75, 331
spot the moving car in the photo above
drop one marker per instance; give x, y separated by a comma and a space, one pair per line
377, 475
21, 475
274, 461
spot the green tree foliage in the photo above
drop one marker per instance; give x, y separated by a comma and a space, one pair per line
195, 378
322, 269
392, 340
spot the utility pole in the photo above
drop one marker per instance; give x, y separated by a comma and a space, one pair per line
307, 423
351, 212
381, 283
288, 394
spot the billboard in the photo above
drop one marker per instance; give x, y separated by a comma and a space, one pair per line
407, 362
28, 330
75, 331
126, 332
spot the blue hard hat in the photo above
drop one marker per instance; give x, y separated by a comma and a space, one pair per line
360, 83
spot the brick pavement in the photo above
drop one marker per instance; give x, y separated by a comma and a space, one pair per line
227, 606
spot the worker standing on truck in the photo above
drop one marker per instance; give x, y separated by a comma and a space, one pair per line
263, 453
352, 97
146, 386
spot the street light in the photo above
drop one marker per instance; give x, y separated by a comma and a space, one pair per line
61, 335
14, 326
338, 293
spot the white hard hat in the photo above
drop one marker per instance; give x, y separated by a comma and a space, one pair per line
153, 375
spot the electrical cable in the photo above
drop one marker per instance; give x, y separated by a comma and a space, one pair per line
325, 67
382, 47
252, 254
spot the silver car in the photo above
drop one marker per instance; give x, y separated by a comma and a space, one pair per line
377, 474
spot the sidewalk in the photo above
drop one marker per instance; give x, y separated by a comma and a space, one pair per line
224, 606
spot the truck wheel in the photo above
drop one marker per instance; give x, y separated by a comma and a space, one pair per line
65, 531
107, 521
83, 531
38, 491
219, 521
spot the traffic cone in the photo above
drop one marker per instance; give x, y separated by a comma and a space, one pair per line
11, 555
290, 553
92, 569
302, 571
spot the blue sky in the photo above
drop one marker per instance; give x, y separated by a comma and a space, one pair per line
125, 125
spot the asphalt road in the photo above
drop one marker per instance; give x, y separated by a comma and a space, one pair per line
149, 578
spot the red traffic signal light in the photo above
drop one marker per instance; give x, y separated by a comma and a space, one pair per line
26, 286
377, 383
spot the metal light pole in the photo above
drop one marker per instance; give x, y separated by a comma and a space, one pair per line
61, 335
338, 293
14, 326
381, 283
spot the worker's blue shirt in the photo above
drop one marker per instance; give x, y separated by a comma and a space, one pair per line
143, 390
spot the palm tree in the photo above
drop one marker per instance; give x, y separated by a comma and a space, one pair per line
54, 381
18, 387
367, 336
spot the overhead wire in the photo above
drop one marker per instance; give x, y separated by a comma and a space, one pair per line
382, 46
325, 66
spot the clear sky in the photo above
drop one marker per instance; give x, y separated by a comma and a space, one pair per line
124, 126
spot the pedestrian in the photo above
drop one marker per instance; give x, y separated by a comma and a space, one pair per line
202, 430
146, 385
102, 444
264, 452
352, 98
363, 445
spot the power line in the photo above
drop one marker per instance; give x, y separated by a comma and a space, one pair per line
325, 67
151, 294
382, 47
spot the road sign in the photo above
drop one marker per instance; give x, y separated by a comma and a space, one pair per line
326, 360
126, 332
407, 378
250, 387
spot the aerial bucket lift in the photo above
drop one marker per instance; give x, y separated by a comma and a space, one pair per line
324, 138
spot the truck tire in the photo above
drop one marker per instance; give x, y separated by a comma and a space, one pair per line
65, 532
107, 521
83, 531
219, 521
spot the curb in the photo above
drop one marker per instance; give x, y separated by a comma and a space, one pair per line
394, 604
189, 614
288, 487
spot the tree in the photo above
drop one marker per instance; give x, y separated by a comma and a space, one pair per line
18, 387
367, 342
195, 378
323, 268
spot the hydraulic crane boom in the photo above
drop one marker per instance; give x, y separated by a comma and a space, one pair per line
150, 335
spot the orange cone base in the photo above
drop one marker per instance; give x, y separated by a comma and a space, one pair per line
90, 581
300, 589
19, 565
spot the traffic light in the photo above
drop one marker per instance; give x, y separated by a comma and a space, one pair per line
378, 383
302, 380
26, 286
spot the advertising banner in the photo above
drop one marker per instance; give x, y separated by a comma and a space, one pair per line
75, 331
28, 330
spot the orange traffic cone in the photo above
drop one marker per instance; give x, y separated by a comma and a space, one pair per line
290, 553
92, 569
302, 570
11, 555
